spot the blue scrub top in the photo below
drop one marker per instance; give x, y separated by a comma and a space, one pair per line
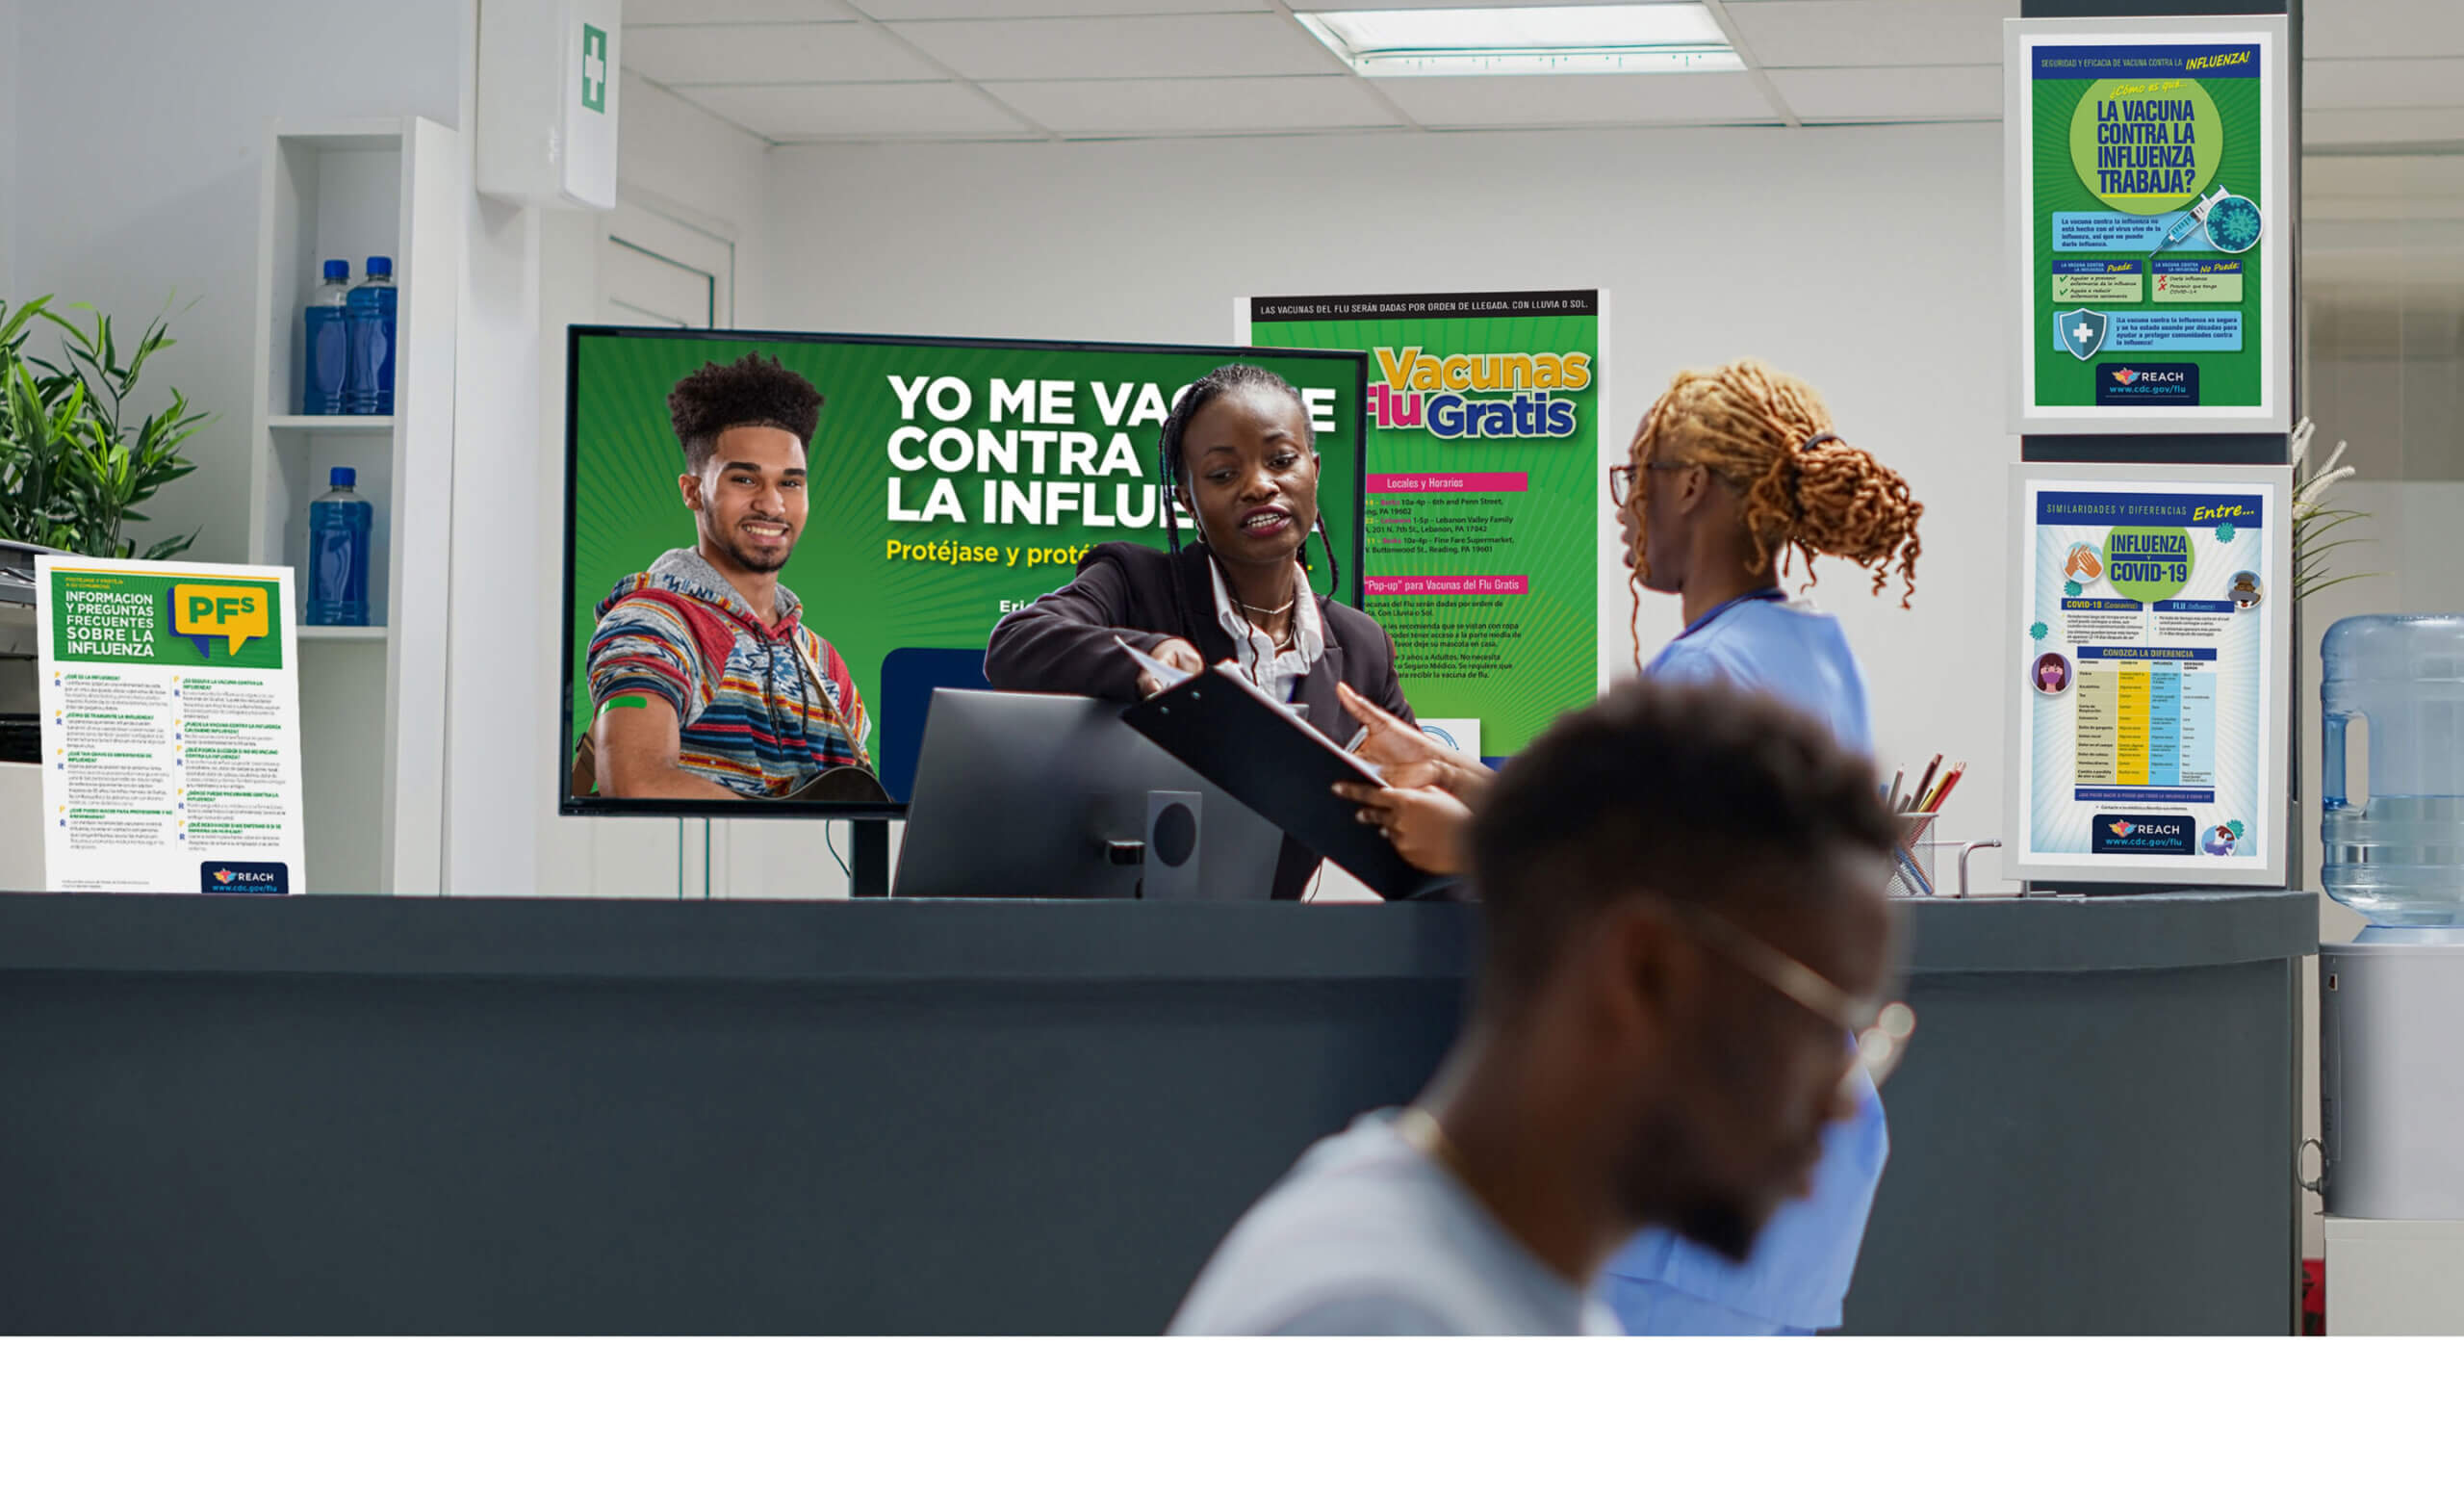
1797, 1281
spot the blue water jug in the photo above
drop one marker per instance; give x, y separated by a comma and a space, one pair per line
324, 362
338, 523
2395, 854
370, 317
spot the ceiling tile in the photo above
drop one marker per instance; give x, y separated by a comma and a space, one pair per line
677, 13
1197, 106
2392, 84
2382, 29
2378, 127
1872, 33
1036, 10
795, 111
1598, 99
1884, 93
830, 52
1156, 46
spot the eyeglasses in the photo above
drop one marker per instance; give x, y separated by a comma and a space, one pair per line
1881, 1027
1621, 478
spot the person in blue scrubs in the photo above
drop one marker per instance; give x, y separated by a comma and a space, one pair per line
1733, 473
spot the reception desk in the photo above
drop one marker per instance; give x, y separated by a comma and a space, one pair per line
388, 1116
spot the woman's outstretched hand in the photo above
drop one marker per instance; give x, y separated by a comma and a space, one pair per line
1411, 760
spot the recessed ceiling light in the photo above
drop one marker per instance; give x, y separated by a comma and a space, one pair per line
1563, 39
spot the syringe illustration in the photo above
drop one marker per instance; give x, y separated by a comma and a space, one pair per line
2191, 217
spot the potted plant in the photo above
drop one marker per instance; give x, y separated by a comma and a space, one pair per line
72, 471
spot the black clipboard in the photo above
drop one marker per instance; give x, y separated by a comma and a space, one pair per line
1222, 727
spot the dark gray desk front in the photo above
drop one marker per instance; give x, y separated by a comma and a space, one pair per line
358, 1115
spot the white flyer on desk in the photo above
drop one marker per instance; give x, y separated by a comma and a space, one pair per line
170, 727
2147, 673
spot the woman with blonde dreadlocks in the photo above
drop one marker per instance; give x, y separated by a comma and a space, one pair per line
1733, 473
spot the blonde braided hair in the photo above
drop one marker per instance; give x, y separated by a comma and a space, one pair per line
1769, 436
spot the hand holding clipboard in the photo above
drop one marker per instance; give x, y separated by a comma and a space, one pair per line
1425, 807
1281, 767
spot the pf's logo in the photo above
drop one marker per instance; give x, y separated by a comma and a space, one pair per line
234, 612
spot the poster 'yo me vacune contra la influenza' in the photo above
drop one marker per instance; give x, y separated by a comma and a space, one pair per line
2151, 228
950, 482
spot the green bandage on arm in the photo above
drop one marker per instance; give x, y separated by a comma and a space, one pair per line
630, 700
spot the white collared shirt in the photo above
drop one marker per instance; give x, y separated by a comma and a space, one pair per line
1279, 672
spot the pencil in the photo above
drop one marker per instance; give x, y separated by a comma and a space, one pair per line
1925, 784
1942, 792
1890, 799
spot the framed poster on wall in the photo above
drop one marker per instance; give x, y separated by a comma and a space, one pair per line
2151, 224
1484, 493
2146, 673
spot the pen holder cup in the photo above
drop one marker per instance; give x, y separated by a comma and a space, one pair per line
1911, 870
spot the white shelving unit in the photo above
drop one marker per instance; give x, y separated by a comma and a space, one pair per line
372, 697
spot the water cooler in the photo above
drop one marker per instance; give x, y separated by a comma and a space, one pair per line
2390, 1012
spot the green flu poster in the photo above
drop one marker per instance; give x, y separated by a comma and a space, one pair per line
169, 696
2153, 228
951, 481
1483, 494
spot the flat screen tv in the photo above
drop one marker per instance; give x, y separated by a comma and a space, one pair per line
948, 482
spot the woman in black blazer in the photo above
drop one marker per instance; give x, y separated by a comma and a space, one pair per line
1240, 456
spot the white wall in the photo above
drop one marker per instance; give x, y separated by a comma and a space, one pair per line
140, 135
1864, 260
677, 159
681, 161
8, 148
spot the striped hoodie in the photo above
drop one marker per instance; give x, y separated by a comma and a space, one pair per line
761, 709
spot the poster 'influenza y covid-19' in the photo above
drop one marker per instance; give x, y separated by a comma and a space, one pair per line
2148, 675
1483, 494
2154, 230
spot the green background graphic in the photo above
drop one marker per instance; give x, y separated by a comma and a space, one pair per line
2226, 377
2207, 145
627, 509
2138, 546
259, 653
1551, 661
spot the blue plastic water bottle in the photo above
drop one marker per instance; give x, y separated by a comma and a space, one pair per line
2395, 851
324, 364
370, 317
337, 531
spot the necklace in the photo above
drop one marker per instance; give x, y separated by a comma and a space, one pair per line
1271, 613
1420, 1127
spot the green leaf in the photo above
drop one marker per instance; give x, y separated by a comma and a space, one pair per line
74, 469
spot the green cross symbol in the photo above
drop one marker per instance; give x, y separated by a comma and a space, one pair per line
594, 69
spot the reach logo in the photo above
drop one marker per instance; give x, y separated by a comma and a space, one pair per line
2148, 385
235, 879
2126, 835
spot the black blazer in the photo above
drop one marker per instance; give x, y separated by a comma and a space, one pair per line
1064, 643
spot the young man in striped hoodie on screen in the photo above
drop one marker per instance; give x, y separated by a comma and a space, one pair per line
704, 681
